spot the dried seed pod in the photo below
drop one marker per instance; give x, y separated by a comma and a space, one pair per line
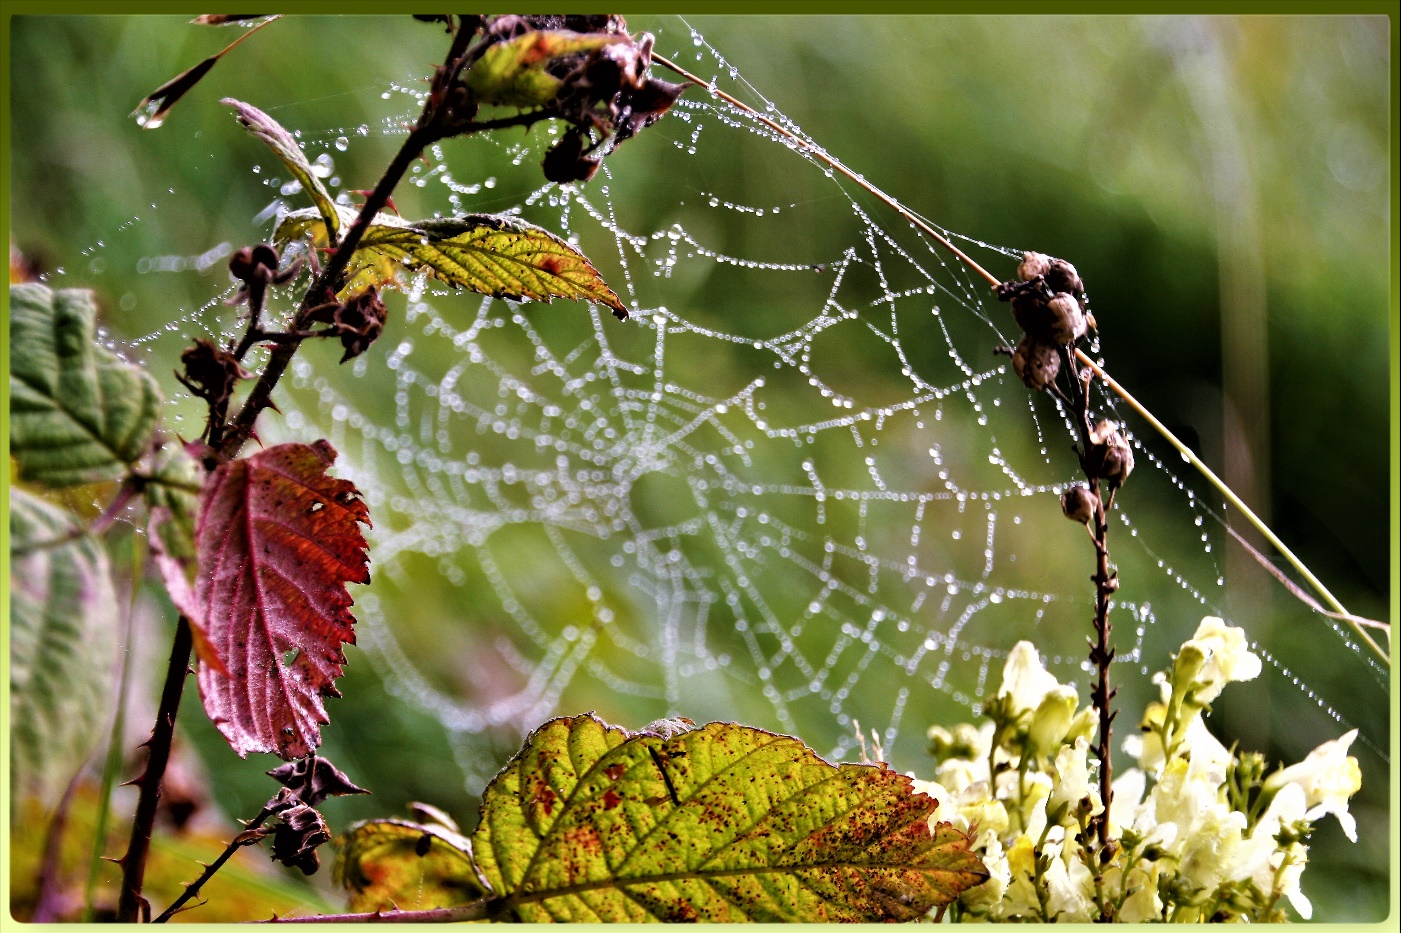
1033, 264
299, 832
210, 372
566, 161
1029, 311
1110, 457
1062, 277
1078, 503
1065, 322
1035, 362
358, 322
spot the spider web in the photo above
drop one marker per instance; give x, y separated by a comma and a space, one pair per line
796, 489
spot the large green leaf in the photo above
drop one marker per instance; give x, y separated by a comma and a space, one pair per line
286, 148
722, 823
493, 255
513, 73
389, 864
78, 412
63, 615
591, 823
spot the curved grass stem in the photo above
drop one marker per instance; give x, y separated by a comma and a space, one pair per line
926, 228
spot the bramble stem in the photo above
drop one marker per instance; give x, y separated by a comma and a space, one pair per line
245, 838
231, 438
241, 428
131, 906
477, 910
432, 126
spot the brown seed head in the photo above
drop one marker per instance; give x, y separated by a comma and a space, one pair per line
1078, 503
1110, 457
1065, 322
1062, 277
1035, 362
1033, 264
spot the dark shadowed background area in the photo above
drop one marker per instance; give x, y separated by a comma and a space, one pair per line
1222, 185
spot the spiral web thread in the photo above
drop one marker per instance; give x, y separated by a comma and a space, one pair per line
793, 490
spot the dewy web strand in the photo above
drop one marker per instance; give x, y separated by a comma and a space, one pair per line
705, 511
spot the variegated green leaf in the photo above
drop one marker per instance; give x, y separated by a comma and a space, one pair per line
590, 823
493, 255
78, 412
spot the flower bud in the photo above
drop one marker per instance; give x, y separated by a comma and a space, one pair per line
1062, 277
1078, 503
1187, 666
254, 262
1035, 363
1065, 321
1033, 264
1109, 457
1052, 719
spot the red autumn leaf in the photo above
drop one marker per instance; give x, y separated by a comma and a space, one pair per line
277, 540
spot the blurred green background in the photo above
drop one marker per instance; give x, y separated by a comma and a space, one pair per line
1221, 183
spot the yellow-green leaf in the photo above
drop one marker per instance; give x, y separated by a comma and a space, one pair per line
78, 412
513, 73
504, 257
388, 864
723, 823
286, 148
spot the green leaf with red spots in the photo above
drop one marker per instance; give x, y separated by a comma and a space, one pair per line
277, 541
398, 864
501, 256
590, 823
515, 73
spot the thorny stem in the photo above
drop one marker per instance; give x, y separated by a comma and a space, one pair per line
245, 838
1106, 583
476, 910
925, 228
241, 428
430, 128
131, 906
114, 741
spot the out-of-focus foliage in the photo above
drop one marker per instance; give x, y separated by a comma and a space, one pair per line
1175, 161
248, 888
62, 639
80, 414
